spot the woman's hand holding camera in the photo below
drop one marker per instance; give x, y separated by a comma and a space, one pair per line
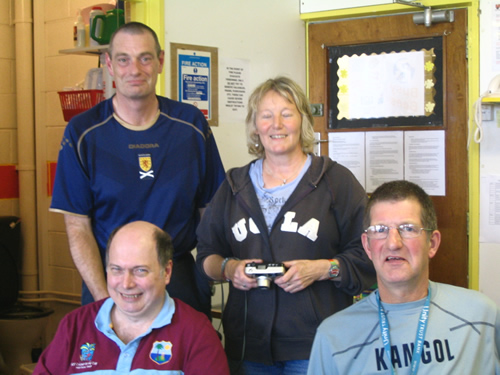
302, 273
235, 271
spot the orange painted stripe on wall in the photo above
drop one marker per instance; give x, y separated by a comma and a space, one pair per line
51, 175
9, 182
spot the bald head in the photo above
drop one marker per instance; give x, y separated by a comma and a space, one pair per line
142, 234
136, 276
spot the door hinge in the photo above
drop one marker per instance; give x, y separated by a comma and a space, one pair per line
466, 46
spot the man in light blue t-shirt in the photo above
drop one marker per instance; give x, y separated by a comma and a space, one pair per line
409, 323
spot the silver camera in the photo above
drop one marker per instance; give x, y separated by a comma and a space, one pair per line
264, 272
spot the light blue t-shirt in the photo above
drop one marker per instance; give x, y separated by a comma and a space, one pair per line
462, 336
272, 200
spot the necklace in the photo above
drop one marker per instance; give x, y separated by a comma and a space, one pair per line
283, 180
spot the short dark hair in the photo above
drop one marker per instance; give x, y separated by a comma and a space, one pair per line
134, 28
164, 245
395, 191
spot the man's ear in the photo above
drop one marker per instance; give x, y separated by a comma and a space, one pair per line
168, 272
161, 57
366, 245
109, 65
434, 240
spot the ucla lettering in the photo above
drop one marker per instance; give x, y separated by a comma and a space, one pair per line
309, 229
253, 227
240, 231
288, 225
438, 350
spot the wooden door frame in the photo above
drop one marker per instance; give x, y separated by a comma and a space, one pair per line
472, 92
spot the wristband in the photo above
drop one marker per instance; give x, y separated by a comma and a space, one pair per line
334, 270
223, 267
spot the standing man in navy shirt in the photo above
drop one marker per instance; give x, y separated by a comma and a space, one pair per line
136, 156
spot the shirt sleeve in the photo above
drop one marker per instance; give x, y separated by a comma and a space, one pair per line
212, 230
71, 191
56, 356
350, 201
214, 170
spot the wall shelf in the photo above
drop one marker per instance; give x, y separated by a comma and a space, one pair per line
92, 50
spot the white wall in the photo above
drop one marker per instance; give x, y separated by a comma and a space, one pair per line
267, 33
489, 253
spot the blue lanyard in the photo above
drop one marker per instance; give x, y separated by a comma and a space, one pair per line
419, 339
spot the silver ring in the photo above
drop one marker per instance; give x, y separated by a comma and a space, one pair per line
244, 285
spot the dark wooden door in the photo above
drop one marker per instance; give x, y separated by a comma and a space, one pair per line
451, 263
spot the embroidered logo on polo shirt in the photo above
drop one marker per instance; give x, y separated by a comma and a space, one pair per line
87, 352
146, 165
161, 352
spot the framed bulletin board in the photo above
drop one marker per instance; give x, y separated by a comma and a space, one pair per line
194, 78
386, 84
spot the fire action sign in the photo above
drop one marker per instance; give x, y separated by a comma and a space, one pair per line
195, 79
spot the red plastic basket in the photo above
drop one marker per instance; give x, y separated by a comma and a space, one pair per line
75, 102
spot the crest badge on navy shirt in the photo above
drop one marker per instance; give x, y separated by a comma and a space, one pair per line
146, 165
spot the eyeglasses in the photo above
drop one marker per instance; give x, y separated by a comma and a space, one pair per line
380, 232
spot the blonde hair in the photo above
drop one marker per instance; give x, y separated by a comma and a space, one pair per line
291, 91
